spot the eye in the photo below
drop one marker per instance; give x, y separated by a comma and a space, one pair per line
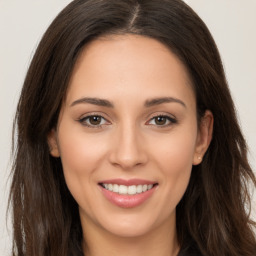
93, 121
162, 120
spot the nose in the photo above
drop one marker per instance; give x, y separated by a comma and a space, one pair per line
128, 149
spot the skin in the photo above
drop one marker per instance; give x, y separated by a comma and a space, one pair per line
129, 71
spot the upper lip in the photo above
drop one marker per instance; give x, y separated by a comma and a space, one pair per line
129, 182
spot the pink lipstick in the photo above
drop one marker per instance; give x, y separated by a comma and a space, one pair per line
127, 193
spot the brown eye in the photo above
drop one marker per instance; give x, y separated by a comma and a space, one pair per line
160, 120
95, 120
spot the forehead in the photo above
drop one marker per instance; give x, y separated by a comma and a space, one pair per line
123, 65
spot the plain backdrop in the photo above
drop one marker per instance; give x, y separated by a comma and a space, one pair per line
22, 23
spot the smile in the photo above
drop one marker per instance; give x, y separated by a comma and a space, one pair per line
127, 190
127, 193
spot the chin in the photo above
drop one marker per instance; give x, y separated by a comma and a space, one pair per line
136, 224
129, 230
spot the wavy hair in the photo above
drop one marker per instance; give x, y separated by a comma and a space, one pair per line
214, 213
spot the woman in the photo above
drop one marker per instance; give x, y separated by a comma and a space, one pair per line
128, 142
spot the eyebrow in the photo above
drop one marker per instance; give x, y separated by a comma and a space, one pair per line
107, 103
94, 101
158, 101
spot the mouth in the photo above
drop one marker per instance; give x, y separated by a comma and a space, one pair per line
127, 190
127, 193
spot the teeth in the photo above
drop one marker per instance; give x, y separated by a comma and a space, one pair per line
115, 188
110, 187
139, 189
132, 190
127, 190
150, 186
123, 189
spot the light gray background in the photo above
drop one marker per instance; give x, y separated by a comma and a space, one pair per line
22, 23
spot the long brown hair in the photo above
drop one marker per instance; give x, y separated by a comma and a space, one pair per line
214, 213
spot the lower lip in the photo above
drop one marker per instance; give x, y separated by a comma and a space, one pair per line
127, 201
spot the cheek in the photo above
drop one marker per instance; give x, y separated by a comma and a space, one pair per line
81, 154
175, 160
176, 150
80, 151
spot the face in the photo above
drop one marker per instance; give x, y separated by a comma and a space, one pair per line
128, 135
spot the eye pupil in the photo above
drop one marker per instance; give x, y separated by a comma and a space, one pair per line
95, 120
160, 120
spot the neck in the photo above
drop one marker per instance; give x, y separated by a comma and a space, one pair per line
161, 241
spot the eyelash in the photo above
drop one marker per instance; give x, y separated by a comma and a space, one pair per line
83, 121
169, 119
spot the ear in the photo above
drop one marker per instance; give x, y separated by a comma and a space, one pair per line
204, 137
52, 142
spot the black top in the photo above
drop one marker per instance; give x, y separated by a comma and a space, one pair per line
190, 250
